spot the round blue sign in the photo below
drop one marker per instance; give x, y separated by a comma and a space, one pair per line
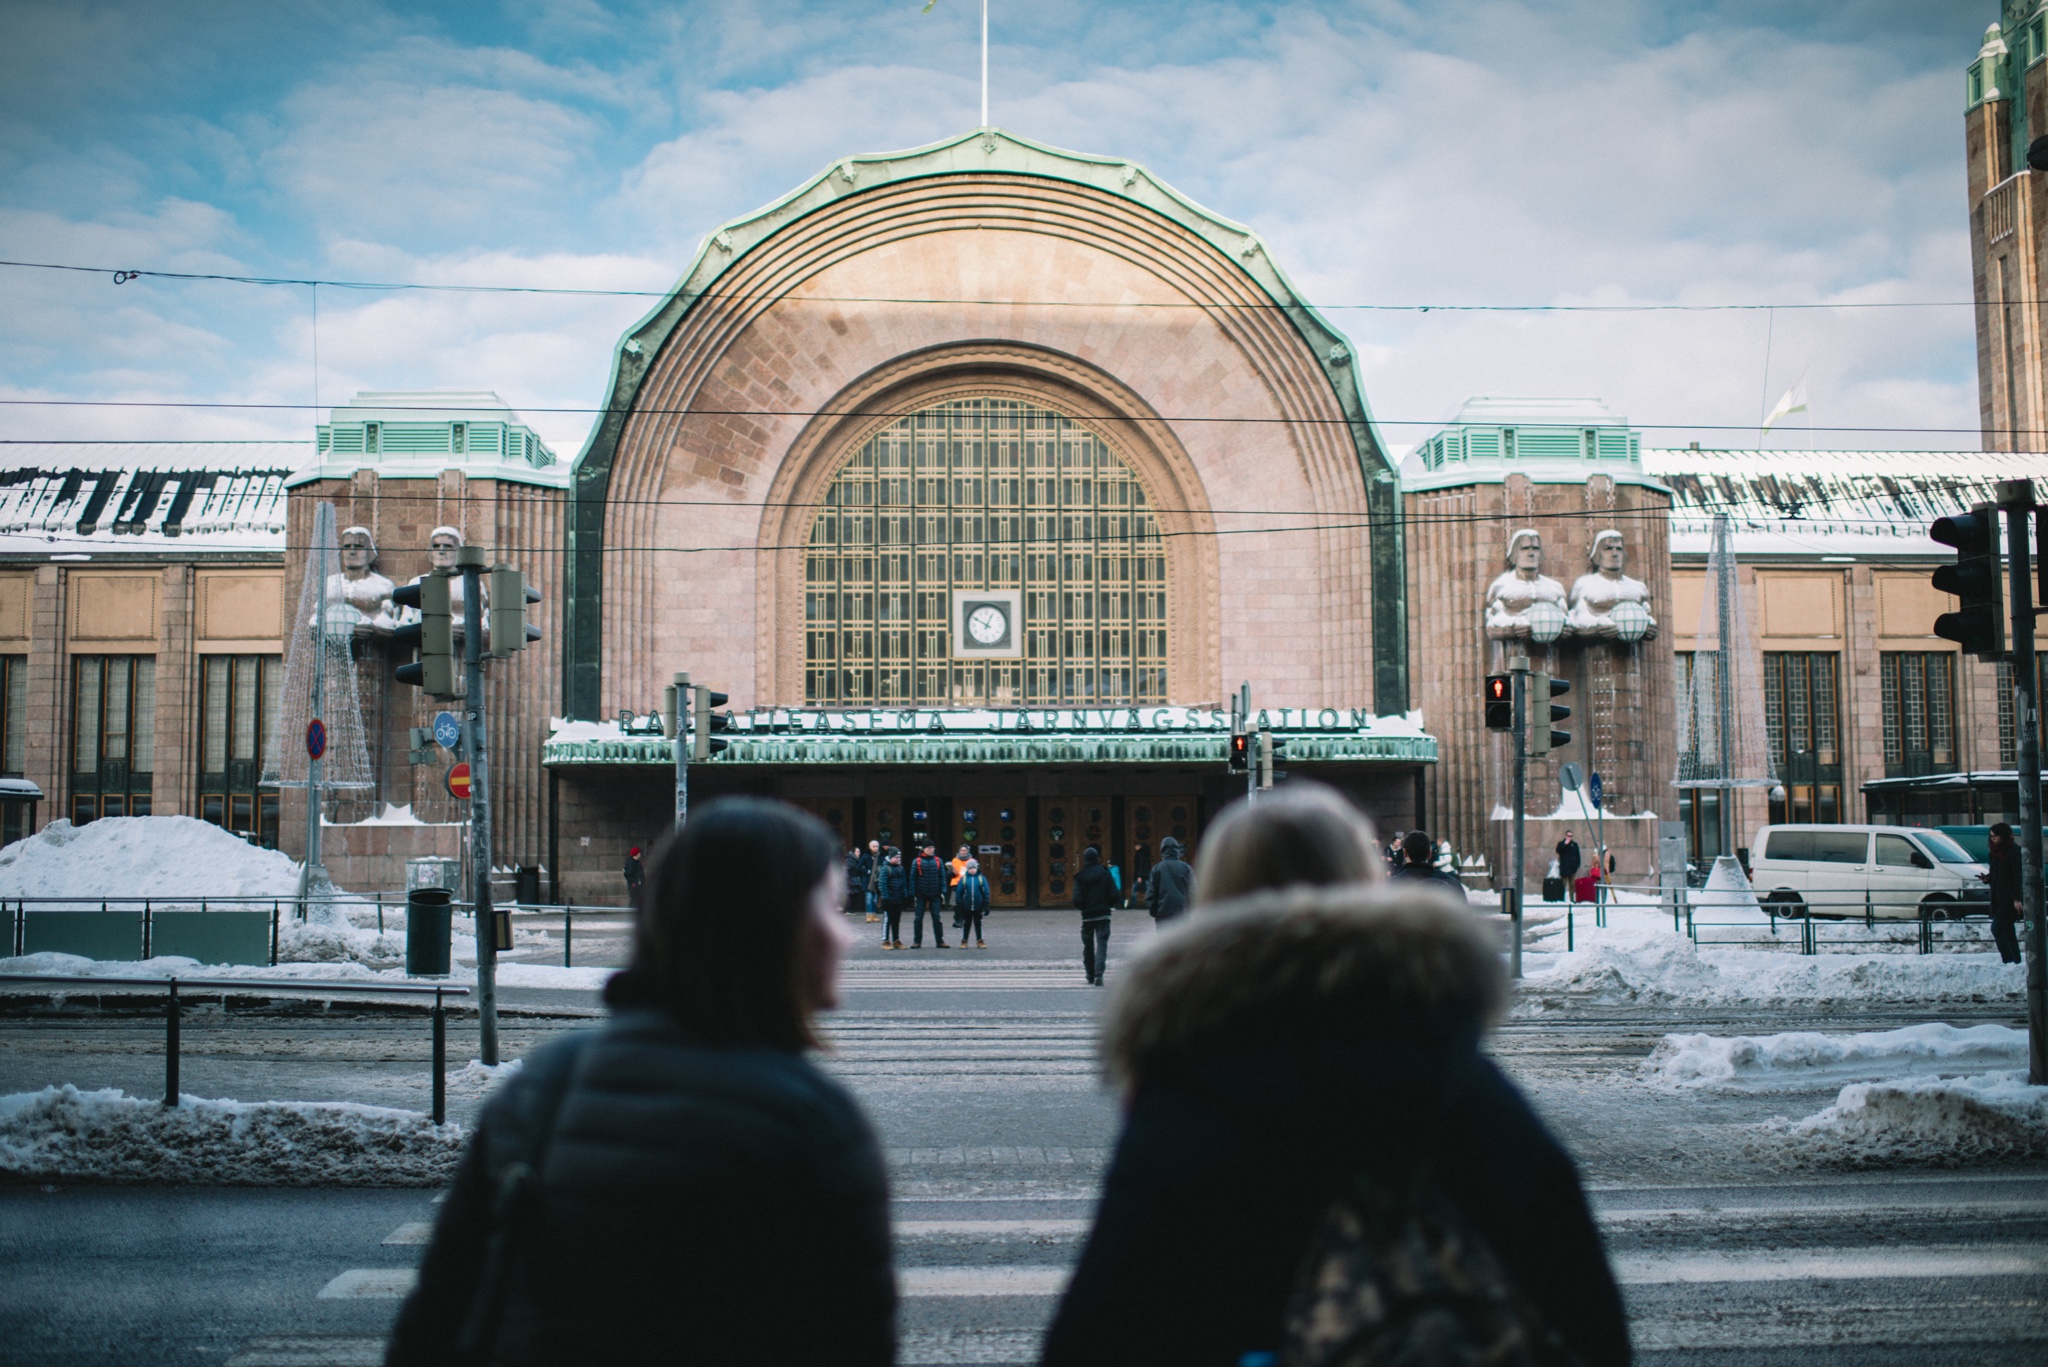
447, 729
1594, 789
316, 738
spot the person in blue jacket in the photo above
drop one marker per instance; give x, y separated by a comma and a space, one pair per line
970, 903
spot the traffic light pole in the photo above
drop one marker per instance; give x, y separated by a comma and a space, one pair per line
683, 712
2018, 498
470, 559
1519, 668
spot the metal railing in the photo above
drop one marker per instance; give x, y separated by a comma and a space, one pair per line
1846, 918
173, 1011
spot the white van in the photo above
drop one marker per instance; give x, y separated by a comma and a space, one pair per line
1839, 870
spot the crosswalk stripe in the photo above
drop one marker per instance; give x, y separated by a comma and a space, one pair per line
1794, 1210
310, 1352
1834, 1264
371, 1284
411, 1232
919, 1283
936, 1229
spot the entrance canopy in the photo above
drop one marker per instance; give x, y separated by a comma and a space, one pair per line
990, 736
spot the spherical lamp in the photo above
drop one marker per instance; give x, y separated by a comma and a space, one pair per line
1546, 621
1631, 620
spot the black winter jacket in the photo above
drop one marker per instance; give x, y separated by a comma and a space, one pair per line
1430, 876
929, 877
697, 1204
857, 866
1095, 891
2004, 877
1168, 887
1266, 1056
892, 884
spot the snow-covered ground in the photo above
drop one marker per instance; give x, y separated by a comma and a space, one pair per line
1804, 1058
1638, 958
61, 1132
1940, 1122
172, 858
336, 971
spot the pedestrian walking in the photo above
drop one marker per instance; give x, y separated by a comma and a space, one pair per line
669, 1184
856, 881
928, 895
1170, 884
1095, 898
2004, 877
1418, 866
970, 903
634, 875
893, 882
1293, 1064
874, 864
1446, 857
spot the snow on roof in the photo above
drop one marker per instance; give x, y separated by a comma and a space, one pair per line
1829, 503
145, 497
1507, 410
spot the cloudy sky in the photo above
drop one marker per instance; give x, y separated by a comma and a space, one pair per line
1427, 152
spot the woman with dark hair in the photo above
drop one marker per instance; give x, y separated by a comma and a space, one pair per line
667, 1187
2004, 877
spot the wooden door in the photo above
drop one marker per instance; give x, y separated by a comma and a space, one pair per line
1067, 826
993, 827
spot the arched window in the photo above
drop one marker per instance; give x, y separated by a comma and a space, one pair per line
984, 495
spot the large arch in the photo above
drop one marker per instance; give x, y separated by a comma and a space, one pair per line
985, 261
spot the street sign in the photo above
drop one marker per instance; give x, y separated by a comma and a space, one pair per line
1594, 790
458, 781
1570, 775
316, 738
448, 729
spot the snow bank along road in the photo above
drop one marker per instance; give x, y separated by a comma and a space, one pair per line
983, 1085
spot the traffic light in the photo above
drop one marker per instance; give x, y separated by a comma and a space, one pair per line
434, 633
1542, 688
1270, 747
703, 745
510, 593
1240, 752
1500, 702
1979, 625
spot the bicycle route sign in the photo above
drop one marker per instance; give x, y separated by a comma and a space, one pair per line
447, 729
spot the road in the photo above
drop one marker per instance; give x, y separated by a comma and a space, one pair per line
978, 1068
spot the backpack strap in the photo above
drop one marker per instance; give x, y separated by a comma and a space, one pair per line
512, 1209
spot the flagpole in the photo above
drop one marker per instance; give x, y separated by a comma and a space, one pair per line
984, 63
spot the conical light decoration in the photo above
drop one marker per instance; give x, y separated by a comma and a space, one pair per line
1722, 740
320, 679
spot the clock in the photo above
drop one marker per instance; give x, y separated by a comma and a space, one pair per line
987, 624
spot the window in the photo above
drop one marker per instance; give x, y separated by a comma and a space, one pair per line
373, 433
458, 438
13, 740
2008, 720
113, 735
1919, 713
1897, 852
985, 494
1840, 847
237, 705
1802, 725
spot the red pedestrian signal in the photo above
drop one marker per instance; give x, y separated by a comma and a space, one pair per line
1500, 702
1240, 752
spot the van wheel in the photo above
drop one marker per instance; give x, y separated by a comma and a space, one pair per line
1938, 907
1786, 904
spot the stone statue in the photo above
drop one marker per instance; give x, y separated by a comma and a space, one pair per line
442, 544
1525, 603
359, 596
1606, 603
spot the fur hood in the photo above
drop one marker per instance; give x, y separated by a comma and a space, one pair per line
1403, 956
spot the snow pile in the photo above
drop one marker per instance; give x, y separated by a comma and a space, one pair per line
1806, 1058
1941, 1122
1652, 965
477, 1077
142, 856
61, 1132
341, 932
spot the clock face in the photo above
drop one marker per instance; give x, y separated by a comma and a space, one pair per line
987, 624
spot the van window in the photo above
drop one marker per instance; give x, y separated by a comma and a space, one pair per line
1947, 850
1895, 851
1840, 847
1789, 845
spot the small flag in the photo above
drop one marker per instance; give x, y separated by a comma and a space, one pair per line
1793, 402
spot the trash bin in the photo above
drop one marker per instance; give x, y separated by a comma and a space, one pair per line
427, 932
526, 885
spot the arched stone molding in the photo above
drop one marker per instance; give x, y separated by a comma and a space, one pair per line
1000, 370
816, 296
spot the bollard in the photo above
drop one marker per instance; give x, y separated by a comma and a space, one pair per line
568, 915
273, 934
171, 1046
440, 1061
1570, 936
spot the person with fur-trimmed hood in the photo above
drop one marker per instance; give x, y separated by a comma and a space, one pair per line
1307, 1026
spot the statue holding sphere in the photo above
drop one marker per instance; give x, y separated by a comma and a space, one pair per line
1606, 603
1524, 603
